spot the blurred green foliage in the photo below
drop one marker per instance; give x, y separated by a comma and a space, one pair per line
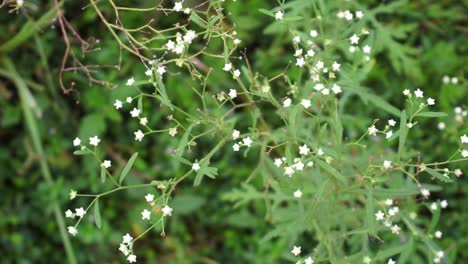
416, 44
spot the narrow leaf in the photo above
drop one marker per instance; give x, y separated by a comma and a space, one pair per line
437, 175
127, 167
97, 214
82, 152
331, 170
103, 174
432, 114
403, 134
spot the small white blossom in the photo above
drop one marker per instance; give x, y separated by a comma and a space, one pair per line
106, 164
418, 93
196, 166
438, 234
372, 130
236, 74
313, 33
443, 204
127, 239
388, 202
149, 197
72, 230
458, 172
80, 212
366, 49
69, 214
298, 194
138, 135
145, 215
304, 150
131, 258
76, 142
289, 171
406, 92
278, 162
130, 81
306, 103
178, 6
279, 15
464, 139
227, 67
144, 121
296, 251
319, 65
247, 142
161, 70
425, 192
320, 152
135, 112
336, 66
232, 93
300, 62
336, 89
310, 53
392, 122
94, 141
287, 102
395, 229
379, 215
389, 134
354, 39
129, 99
359, 14
387, 164
430, 101
236, 147
391, 261
166, 210
118, 104
235, 134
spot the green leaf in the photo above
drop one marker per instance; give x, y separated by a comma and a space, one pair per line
197, 20
403, 134
391, 251
183, 141
432, 114
210, 172
293, 18
82, 152
187, 203
97, 214
330, 170
266, 12
127, 167
103, 174
140, 103
370, 210
437, 175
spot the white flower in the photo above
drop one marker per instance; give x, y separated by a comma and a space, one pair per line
237, 41
149, 197
366, 260
279, 15
278, 162
138, 135
433, 206
76, 142
128, 99
359, 14
297, 39
178, 6
391, 261
72, 230
69, 214
94, 141
406, 92
430, 101
391, 212
232, 93
464, 153
298, 194
425, 192
336, 66
310, 53
124, 249
189, 36
106, 164
320, 152
80, 212
127, 238
366, 49
304, 150
379, 215
418, 93
438, 234
387, 164
296, 251
131, 258
392, 122
389, 134
145, 215
227, 67
298, 53
319, 65
300, 62
236, 74
235, 147
336, 89
299, 166
464, 139
149, 72
458, 172
135, 112
306, 103
308, 260
289, 171
235, 134
118, 104
372, 130
325, 92
388, 202
144, 121
172, 131
395, 229
187, 11
166, 210
313, 33
130, 81
161, 70
354, 39
247, 142
196, 166
287, 102
443, 204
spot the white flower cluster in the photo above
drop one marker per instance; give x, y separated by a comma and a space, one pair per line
348, 15
296, 251
389, 216
126, 247
247, 142
181, 42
